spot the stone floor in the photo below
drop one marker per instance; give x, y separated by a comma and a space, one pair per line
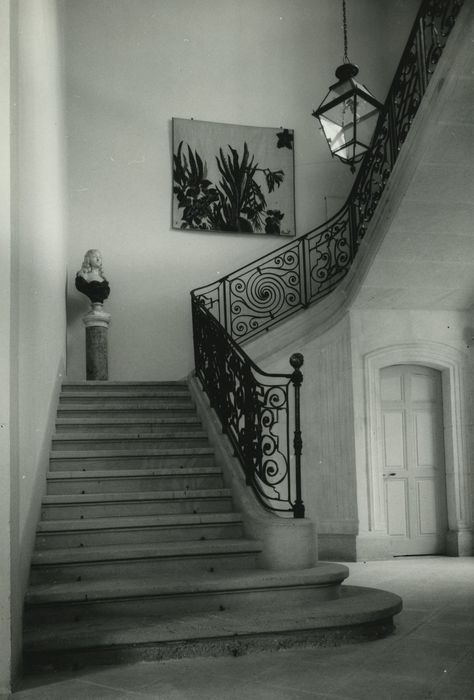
431, 654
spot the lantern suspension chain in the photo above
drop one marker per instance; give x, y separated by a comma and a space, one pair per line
344, 25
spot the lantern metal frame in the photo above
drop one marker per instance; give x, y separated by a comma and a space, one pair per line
345, 142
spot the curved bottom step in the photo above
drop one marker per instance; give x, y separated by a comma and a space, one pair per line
359, 614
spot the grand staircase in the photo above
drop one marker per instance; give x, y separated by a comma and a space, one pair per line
141, 555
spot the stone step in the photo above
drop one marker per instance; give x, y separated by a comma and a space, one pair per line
141, 561
111, 441
178, 458
99, 532
107, 505
126, 400
111, 387
171, 595
359, 614
146, 413
112, 481
130, 424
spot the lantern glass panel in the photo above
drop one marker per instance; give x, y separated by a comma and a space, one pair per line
337, 122
349, 122
367, 116
338, 137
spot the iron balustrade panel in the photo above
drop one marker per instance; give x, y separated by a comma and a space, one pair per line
372, 178
213, 298
438, 20
262, 294
423, 51
329, 255
253, 408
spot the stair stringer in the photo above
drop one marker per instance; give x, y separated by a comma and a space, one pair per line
288, 543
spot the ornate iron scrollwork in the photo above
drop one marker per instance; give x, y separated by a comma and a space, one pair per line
253, 406
254, 410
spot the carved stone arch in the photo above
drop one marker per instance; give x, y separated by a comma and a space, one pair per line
451, 363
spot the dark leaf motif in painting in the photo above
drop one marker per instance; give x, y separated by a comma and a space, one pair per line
285, 139
236, 203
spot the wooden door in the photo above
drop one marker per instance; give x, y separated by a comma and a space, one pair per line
413, 469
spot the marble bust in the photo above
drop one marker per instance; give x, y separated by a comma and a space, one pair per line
90, 279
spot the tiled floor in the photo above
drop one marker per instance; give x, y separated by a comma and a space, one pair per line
431, 655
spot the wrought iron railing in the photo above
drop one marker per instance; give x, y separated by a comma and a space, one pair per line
242, 304
258, 411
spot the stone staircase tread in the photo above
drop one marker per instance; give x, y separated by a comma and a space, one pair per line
91, 435
116, 420
131, 382
322, 574
185, 405
83, 407
355, 606
131, 473
137, 452
127, 496
137, 522
153, 550
131, 394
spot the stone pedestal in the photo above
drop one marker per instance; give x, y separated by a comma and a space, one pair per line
97, 324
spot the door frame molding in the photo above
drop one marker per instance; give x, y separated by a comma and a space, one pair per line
450, 363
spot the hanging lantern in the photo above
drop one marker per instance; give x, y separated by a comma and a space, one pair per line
349, 112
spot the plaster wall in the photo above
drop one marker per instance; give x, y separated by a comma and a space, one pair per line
8, 501
439, 339
130, 66
38, 265
327, 424
338, 444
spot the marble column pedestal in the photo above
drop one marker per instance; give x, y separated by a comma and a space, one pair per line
97, 325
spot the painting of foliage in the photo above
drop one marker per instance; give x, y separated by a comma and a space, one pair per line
232, 178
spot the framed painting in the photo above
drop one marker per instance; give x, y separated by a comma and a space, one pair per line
233, 178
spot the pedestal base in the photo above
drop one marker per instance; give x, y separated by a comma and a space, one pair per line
97, 324
96, 353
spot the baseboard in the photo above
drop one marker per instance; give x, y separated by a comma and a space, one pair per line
460, 543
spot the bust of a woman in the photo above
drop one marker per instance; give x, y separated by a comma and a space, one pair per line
90, 279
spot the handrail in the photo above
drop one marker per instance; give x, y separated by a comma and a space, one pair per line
242, 304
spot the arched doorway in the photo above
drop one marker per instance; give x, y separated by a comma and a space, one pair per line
413, 462
373, 540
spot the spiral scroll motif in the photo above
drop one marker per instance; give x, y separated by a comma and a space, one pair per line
253, 407
265, 292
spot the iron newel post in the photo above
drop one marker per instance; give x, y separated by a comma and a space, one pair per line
296, 361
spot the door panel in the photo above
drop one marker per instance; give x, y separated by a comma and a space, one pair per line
413, 470
397, 507
427, 521
391, 388
394, 431
424, 430
423, 386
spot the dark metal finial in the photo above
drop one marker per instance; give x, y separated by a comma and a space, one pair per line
346, 71
296, 360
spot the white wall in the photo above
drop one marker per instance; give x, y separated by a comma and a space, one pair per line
439, 339
8, 502
335, 426
327, 423
38, 262
130, 66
